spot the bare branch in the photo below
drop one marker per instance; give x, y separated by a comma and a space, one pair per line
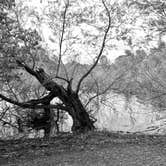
27, 68
151, 75
8, 123
101, 50
44, 79
158, 96
43, 100
105, 90
65, 69
95, 83
73, 72
4, 113
62, 36
12, 91
33, 104
61, 78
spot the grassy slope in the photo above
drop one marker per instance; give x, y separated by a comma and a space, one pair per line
96, 148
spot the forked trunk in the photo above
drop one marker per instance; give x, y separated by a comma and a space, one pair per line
81, 119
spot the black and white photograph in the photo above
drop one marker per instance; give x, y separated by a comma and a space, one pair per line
82, 82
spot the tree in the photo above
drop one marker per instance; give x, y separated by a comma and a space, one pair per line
155, 11
20, 54
153, 70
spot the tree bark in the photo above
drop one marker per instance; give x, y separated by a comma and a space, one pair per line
48, 118
81, 119
57, 122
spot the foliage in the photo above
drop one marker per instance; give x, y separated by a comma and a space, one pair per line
144, 76
155, 11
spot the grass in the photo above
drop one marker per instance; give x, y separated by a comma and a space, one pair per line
94, 148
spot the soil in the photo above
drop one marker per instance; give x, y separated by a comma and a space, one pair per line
90, 149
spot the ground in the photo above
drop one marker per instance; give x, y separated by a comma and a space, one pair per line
90, 149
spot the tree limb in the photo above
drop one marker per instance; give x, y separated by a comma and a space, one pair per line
43, 78
61, 38
43, 100
101, 50
27, 68
33, 104
105, 90
61, 78
4, 113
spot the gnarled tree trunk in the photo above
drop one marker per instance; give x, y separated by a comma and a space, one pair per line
81, 119
69, 98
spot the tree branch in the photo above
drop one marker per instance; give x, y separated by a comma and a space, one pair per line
27, 68
61, 78
43, 78
105, 90
43, 100
4, 113
34, 104
61, 38
101, 50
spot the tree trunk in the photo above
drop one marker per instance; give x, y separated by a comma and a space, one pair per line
81, 122
81, 119
48, 119
57, 122
47, 131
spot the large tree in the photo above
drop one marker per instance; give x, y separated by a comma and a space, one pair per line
20, 52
